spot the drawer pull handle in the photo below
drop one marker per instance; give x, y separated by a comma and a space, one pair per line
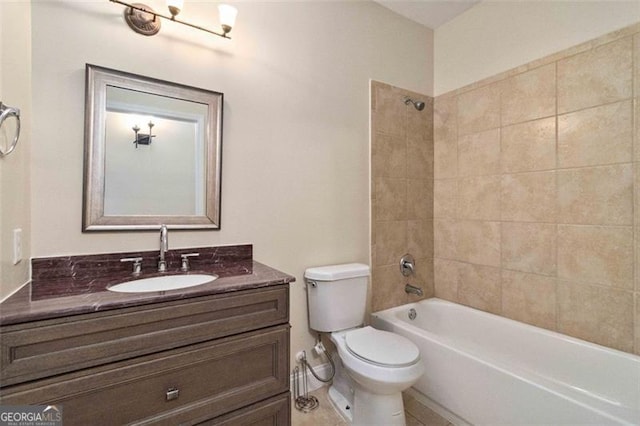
173, 393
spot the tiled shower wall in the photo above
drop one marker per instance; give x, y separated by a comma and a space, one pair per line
537, 193
401, 192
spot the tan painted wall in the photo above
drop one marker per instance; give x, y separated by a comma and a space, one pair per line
15, 90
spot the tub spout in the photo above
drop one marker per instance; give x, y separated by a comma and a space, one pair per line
408, 288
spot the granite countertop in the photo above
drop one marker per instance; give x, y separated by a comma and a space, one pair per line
63, 286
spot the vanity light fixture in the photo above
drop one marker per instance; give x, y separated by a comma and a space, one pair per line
144, 20
141, 138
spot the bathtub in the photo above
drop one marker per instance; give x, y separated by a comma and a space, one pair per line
485, 369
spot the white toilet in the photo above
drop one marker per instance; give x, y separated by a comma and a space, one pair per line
379, 364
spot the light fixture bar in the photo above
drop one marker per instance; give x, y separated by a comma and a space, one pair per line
170, 18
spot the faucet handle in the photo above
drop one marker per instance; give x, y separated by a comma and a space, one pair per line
137, 264
407, 265
185, 260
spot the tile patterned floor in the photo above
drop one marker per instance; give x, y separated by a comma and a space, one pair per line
325, 415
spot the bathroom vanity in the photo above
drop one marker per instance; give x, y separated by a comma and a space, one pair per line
216, 353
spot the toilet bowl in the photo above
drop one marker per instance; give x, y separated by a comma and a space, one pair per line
381, 365
387, 363
374, 366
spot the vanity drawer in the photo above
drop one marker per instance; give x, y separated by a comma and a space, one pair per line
45, 348
275, 411
181, 386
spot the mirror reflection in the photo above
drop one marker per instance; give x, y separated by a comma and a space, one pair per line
154, 155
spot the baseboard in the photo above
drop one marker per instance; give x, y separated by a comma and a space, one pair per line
322, 370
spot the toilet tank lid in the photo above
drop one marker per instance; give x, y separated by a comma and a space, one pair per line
337, 272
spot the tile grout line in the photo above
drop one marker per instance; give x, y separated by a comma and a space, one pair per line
634, 132
501, 93
557, 202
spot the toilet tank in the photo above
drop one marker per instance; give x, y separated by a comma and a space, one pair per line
337, 296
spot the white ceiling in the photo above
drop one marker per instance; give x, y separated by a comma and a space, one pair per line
430, 13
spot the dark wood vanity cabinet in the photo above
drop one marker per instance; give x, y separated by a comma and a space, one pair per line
221, 359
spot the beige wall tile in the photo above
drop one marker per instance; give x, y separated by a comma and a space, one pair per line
390, 114
529, 247
479, 287
446, 279
445, 192
388, 155
596, 195
637, 323
387, 288
479, 153
529, 197
444, 238
529, 298
529, 146
636, 264
636, 133
600, 135
529, 95
445, 121
423, 278
478, 242
375, 85
597, 143
595, 77
391, 242
596, 254
479, 110
420, 123
479, 198
419, 156
420, 238
596, 314
445, 157
419, 199
374, 207
636, 62
391, 199
373, 253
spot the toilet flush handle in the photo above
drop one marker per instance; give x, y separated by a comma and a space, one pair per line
312, 283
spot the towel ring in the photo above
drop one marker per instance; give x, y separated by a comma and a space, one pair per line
6, 112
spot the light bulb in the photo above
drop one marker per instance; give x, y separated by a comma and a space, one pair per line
227, 17
175, 6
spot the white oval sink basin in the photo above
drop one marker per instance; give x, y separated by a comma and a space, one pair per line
163, 283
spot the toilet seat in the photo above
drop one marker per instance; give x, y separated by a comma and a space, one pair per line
381, 348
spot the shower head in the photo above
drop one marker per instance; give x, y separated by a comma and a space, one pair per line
419, 105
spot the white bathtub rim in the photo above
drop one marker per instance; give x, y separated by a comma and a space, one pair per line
575, 340
621, 412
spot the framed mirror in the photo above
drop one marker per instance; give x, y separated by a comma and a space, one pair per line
153, 153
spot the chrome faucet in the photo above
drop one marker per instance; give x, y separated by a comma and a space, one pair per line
411, 289
164, 247
407, 265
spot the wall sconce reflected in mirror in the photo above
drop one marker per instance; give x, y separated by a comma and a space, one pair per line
144, 20
143, 138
